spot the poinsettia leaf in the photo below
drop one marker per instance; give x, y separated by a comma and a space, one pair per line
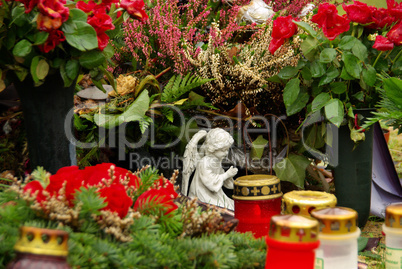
338, 87
292, 169
22, 48
334, 111
258, 145
92, 59
80, 35
352, 65
291, 91
327, 55
320, 101
369, 75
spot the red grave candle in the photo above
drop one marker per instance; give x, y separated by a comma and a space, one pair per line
257, 198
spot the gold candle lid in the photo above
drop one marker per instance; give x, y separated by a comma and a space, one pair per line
393, 216
42, 241
293, 228
303, 202
336, 220
257, 187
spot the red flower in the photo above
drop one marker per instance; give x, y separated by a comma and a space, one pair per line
108, 3
95, 174
394, 8
167, 185
135, 8
395, 34
55, 37
283, 27
86, 7
153, 198
101, 22
358, 12
134, 180
52, 14
382, 43
29, 4
70, 174
34, 186
117, 199
331, 23
380, 18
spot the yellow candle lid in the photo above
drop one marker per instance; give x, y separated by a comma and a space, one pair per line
293, 228
42, 241
393, 216
257, 187
303, 202
336, 220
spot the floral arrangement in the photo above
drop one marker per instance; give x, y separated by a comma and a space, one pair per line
40, 37
116, 218
344, 59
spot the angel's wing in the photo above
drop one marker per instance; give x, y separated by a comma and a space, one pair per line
191, 158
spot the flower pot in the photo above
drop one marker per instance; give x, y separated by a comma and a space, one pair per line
386, 133
45, 110
352, 175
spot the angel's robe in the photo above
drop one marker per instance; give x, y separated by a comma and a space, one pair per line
207, 183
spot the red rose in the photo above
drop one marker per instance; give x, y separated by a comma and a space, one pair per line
275, 44
358, 12
108, 3
380, 18
135, 8
74, 179
395, 34
86, 7
134, 180
331, 23
155, 198
34, 186
117, 199
52, 14
394, 8
95, 174
55, 38
283, 27
29, 4
382, 43
101, 22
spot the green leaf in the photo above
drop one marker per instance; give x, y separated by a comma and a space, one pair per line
92, 59
21, 72
258, 145
329, 76
359, 96
40, 37
320, 101
306, 73
345, 75
292, 169
360, 51
392, 87
317, 69
291, 91
135, 112
299, 104
347, 42
334, 112
67, 81
80, 35
327, 55
352, 65
288, 72
306, 27
78, 15
72, 68
308, 47
362, 243
397, 67
369, 75
338, 87
108, 51
22, 48
275, 79
17, 15
42, 69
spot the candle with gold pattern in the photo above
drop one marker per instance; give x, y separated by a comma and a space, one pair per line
40, 248
257, 198
392, 228
291, 242
303, 202
338, 238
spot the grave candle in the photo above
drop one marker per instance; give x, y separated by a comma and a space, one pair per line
392, 228
303, 202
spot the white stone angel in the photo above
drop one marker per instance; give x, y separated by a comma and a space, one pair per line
209, 176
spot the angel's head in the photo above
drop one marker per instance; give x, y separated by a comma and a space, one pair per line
218, 141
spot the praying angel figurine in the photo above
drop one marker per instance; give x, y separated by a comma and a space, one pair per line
209, 176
